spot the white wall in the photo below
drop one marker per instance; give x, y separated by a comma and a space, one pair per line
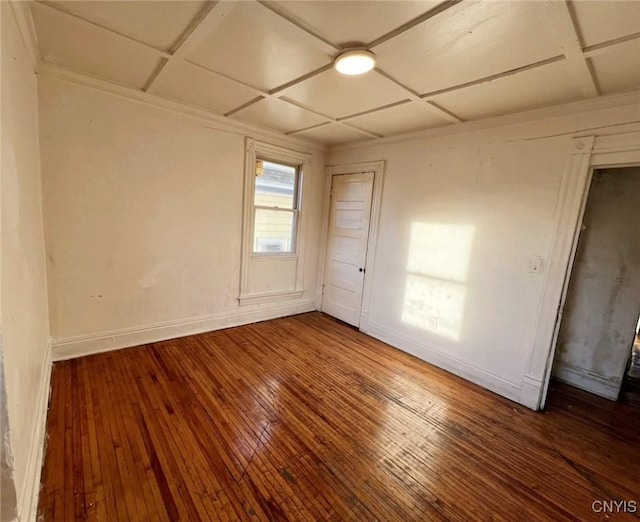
9, 504
25, 327
143, 213
603, 300
461, 217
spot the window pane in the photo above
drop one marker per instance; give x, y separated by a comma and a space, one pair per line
273, 231
275, 185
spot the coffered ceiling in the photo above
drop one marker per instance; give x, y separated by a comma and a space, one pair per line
270, 62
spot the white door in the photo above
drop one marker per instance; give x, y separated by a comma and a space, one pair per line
347, 245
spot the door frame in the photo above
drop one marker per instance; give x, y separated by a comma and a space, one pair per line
377, 167
586, 154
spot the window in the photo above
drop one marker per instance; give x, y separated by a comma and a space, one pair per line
273, 223
275, 202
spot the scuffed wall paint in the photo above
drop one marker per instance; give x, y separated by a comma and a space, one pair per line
25, 326
603, 300
505, 183
143, 214
8, 499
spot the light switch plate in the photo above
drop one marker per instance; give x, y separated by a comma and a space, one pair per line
536, 265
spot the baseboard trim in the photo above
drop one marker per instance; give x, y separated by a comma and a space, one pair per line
530, 392
429, 354
79, 346
587, 381
364, 322
28, 503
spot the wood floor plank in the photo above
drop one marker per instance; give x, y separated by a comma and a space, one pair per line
172, 467
67, 510
137, 460
84, 490
304, 418
99, 509
110, 466
54, 473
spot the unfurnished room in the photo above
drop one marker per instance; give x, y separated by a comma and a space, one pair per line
320, 260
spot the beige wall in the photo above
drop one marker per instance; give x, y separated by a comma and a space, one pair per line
25, 328
461, 218
143, 213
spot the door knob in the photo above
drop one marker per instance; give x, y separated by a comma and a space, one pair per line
360, 269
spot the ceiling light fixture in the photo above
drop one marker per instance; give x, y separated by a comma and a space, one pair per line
355, 61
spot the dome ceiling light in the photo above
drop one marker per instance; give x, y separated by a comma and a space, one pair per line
355, 61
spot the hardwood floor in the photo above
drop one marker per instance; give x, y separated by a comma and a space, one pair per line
304, 418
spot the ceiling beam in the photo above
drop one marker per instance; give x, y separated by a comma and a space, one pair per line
368, 134
282, 89
414, 96
375, 109
320, 42
306, 34
610, 45
565, 27
298, 131
210, 119
276, 93
244, 106
208, 20
211, 72
493, 77
440, 8
213, 14
330, 119
445, 113
325, 44
205, 24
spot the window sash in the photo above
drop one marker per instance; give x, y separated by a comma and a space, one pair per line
278, 209
295, 210
294, 232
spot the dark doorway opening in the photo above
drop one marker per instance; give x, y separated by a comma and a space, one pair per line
600, 314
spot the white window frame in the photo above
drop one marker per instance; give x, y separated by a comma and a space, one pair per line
256, 150
295, 210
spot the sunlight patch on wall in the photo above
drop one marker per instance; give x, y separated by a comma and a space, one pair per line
437, 270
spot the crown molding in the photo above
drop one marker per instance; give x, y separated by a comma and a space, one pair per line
221, 123
555, 111
212, 120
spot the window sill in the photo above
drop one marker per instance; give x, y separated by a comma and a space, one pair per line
268, 297
272, 256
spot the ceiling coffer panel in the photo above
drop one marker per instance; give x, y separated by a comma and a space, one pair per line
345, 22
186, 82
469, 41
334, 134
337, 95
532, 89
406, 117
619, 71
599, 21
269, 62
72, 43
159, 24
260, 48
279, 115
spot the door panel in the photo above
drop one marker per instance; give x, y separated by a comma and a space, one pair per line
347, 245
